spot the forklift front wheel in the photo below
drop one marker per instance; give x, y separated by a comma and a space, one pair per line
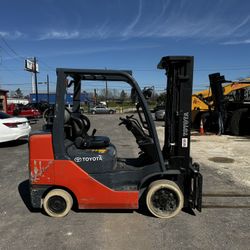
164, 199
57, 203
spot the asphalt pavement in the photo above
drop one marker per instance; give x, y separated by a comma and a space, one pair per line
22, 228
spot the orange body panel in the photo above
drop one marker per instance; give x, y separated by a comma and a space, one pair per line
44, 170
41, 161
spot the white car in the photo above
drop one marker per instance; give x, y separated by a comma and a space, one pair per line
13, 128
160, 115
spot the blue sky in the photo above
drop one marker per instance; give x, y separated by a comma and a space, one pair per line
116, 34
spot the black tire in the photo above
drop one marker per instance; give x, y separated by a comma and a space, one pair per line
236, 126
57, 203
93, 112
164, 199
111, 112
16, 112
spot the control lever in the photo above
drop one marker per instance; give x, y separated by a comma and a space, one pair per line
93, 132
122, 121
129, 116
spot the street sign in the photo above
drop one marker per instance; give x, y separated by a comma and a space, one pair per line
30, 66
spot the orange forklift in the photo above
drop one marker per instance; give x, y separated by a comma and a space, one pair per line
69, 166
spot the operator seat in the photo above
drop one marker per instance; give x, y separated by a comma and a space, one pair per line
79, 133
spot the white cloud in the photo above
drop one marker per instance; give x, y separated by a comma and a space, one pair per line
184, 20
131, 26
102, 31
12, 35
100, 50
61, 35
246, 41
99, 31
181, 19
4, 34
182, 26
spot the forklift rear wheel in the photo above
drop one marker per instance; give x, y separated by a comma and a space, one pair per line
164, 199
57, 203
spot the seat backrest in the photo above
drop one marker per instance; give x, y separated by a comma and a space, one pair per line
77, 126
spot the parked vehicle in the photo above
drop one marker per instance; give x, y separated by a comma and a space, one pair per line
13, 128
41, 106
160, 115
159, 107
23, 111
101, 109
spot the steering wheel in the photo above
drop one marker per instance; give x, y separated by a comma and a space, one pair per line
126, 120
142, 139
136, 129
133, 125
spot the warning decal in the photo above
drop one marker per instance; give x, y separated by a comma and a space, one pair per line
184, 143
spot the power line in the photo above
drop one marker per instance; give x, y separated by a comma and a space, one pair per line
10, 69
15, 84
234, 68
47, 66
11, 49
204, 69
225, 69
8, 53
6, 68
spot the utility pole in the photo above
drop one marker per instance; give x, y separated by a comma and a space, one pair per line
106, 90
48, 88
95, 97
35, 80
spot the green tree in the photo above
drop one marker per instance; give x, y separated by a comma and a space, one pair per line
162, 98
123, 95
18, 93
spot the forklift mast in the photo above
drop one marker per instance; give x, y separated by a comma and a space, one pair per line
179, 70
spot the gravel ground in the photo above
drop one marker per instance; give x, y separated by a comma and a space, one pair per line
227, 155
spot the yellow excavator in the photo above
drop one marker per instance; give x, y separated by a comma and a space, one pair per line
204, 102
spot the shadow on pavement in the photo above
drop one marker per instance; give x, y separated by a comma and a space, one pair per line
23, 189
13, 143
104, 211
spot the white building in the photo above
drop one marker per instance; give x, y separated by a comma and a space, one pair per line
17, 100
